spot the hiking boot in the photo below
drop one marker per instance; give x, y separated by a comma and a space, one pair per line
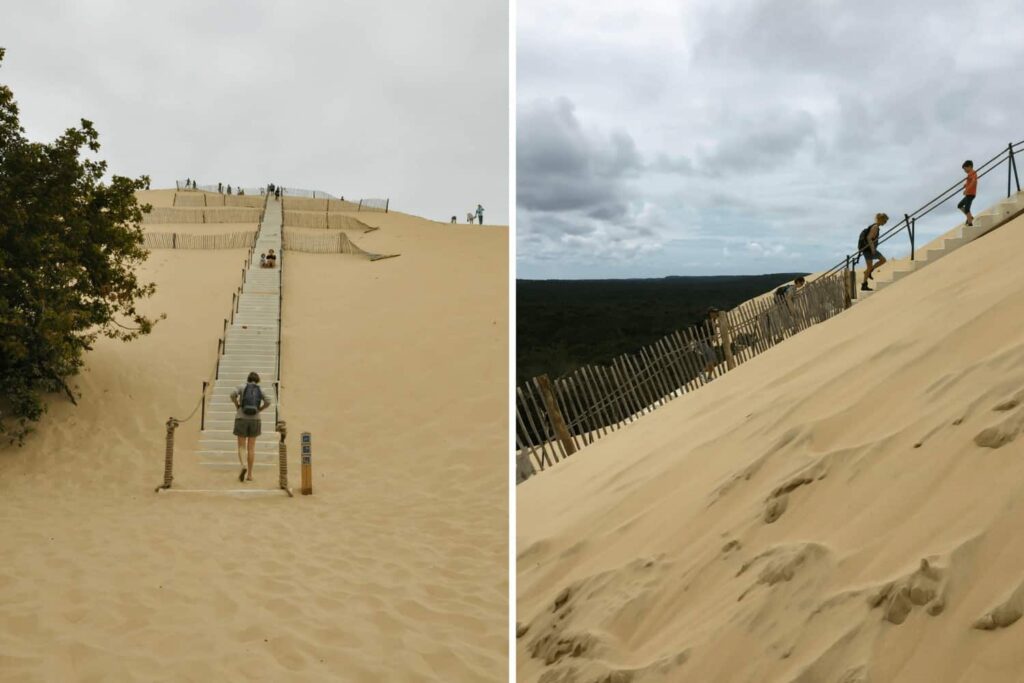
864, 287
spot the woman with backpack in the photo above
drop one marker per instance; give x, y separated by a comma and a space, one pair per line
250, 401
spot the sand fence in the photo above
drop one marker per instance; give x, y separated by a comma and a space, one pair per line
204, 199
556, 418
324, 220
200, 215
179, 240
331, 243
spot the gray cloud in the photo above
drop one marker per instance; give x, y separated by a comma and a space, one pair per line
408, 101
768, 130
562, 168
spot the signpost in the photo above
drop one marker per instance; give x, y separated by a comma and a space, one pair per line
307, 466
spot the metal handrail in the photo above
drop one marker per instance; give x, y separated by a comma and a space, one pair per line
1006, 155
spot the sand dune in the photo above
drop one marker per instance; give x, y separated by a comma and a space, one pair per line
396, 567
844, 507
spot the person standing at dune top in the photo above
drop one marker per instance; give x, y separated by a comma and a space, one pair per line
867, 244
480, 213
970, 190
250, 401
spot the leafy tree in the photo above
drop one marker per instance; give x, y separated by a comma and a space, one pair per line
69, 246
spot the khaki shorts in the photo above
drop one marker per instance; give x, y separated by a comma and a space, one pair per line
248, 426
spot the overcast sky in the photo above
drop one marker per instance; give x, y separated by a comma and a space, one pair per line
724, 136
407, 100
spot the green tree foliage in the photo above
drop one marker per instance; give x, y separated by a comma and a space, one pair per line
564, 324
69, 246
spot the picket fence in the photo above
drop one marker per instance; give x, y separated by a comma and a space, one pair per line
556, 418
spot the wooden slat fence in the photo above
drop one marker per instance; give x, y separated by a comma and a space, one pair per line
331, 243
178, 240
556, 418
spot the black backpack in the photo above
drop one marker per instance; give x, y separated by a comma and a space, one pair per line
252, 398
862, 241
781, 291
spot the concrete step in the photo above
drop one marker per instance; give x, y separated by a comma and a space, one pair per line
220, 465
225, 458
228, 425
225, 440
239, 363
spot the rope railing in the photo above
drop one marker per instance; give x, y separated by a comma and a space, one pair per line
1007, 155
282, 457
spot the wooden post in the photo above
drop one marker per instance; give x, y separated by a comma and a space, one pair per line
555, 415
307, 464
725, 331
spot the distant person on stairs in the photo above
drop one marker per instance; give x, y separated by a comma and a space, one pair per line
250, 401
271, 258
868, 246
707, 350
480, 213
970, 190
784, 307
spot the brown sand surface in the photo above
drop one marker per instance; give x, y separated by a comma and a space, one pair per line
156, 197
844, 507
394, 570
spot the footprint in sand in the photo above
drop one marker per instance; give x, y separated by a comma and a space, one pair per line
1006, 430
924, 586
782, 563
778, 501
1004, 614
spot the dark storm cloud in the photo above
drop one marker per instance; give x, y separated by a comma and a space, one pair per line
562, 168
363, 99
763, 130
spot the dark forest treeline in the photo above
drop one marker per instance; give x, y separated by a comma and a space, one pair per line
563, 324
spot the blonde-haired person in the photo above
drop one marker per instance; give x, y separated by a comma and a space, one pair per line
868, 246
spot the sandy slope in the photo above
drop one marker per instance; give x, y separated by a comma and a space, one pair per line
845, 507
396, 569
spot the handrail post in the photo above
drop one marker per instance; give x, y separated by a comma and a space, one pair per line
202, 416
1009, 167
910, 231
1012, 166
847, 288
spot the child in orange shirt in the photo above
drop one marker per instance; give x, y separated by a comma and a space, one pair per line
970, 190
